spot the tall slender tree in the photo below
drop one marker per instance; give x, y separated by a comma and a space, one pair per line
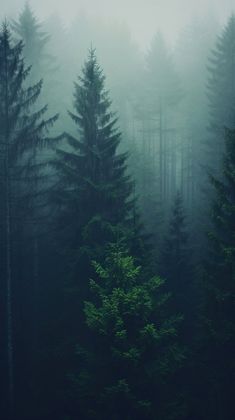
22, 134
94, 194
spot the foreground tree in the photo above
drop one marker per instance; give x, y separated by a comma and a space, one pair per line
136, 347
22, 134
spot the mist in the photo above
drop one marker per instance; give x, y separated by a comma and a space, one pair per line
117, 210
143, 17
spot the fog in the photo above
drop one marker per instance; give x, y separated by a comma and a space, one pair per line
144, 17
117, 209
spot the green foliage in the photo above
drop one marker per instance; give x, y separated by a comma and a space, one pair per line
136, 349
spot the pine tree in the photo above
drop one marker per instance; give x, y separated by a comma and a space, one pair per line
219, 285
22, 134
127, 374
35, 40
37, 54
94, 194
221, 94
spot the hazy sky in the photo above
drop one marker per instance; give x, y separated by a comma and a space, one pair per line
144, 17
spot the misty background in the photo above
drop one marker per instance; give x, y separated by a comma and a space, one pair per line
117, 164
143, 18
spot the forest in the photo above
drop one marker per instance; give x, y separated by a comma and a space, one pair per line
117, 221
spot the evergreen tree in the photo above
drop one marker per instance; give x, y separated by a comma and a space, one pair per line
94, 194
93, 198
219, 311
128, 372
37, 54
22, 134
35, 40
221, 94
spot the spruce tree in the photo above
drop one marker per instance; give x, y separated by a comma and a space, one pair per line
94, 194
37, 54
128, 372
30, 31
23, 134
219, 286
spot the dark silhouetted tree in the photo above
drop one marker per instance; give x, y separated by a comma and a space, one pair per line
94, 189
23, 134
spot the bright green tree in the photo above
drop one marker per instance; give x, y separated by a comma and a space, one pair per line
132, 349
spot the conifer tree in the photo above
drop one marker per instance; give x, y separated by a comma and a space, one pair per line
37, 54
30, 31
219, 285
22, 134
136, 348
94, 193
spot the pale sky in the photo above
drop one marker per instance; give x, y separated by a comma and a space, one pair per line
144, 17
